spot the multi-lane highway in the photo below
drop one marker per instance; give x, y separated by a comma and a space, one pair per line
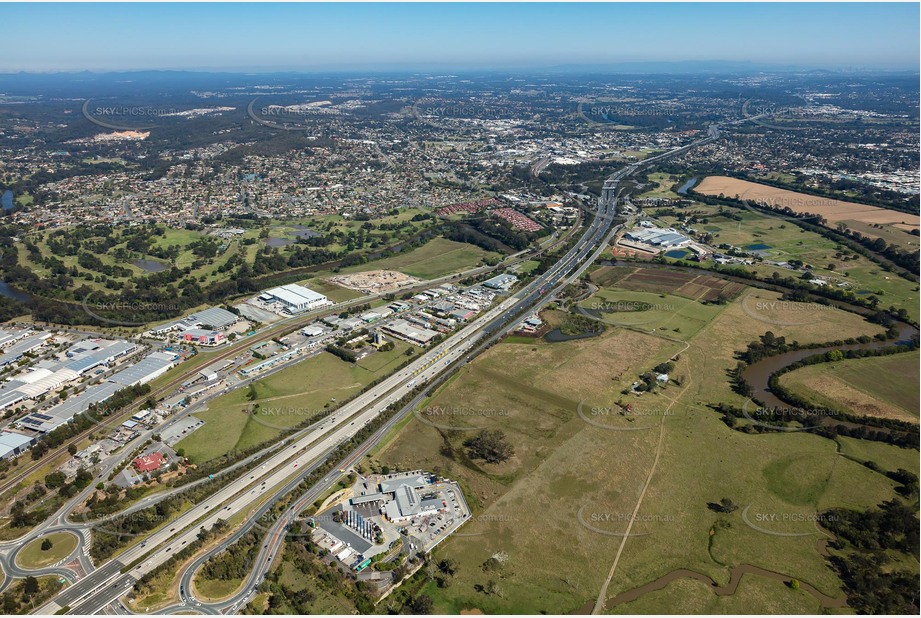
255, 491
278, 329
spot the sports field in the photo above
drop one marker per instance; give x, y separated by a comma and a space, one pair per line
885, 386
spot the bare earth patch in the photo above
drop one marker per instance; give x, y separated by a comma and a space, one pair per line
374, 281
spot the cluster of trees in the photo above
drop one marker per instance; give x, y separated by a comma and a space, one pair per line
27, 594
234, 562
21, 517
321, 579
908, 481
905, 259
490, 446
866, 540
577, 324
491, 234
819, 422
148, 582
345, 354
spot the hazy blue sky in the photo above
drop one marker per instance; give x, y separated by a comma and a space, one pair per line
42, 37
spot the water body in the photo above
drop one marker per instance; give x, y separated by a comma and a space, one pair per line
556, 336
7, 200
6, 290
759, 374
151, 266
305, 232
687, 186
277, 242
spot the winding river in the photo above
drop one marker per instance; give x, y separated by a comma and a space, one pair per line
759, 374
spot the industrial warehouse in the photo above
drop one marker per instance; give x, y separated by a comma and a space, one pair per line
658, 238
295, 298
205, 327
148, 368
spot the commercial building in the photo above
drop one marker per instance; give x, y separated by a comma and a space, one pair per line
148, 368
9, 337
14, 352
295, 298
200, 336
406, 331
657, 237
313, 331
214, 318
149, 463
87, 355
402, 497
504, 281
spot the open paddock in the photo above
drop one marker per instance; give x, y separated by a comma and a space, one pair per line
831, 209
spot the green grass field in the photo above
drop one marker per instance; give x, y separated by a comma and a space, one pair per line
554, 512
885, 386
335, 293
754, 595
436, 258
33, 557
286, 398
324, 602
888, 457
213, 590
681, 317
662, 186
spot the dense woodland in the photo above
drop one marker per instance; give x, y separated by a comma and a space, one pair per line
864, 541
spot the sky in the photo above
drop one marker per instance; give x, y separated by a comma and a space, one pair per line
317, 37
